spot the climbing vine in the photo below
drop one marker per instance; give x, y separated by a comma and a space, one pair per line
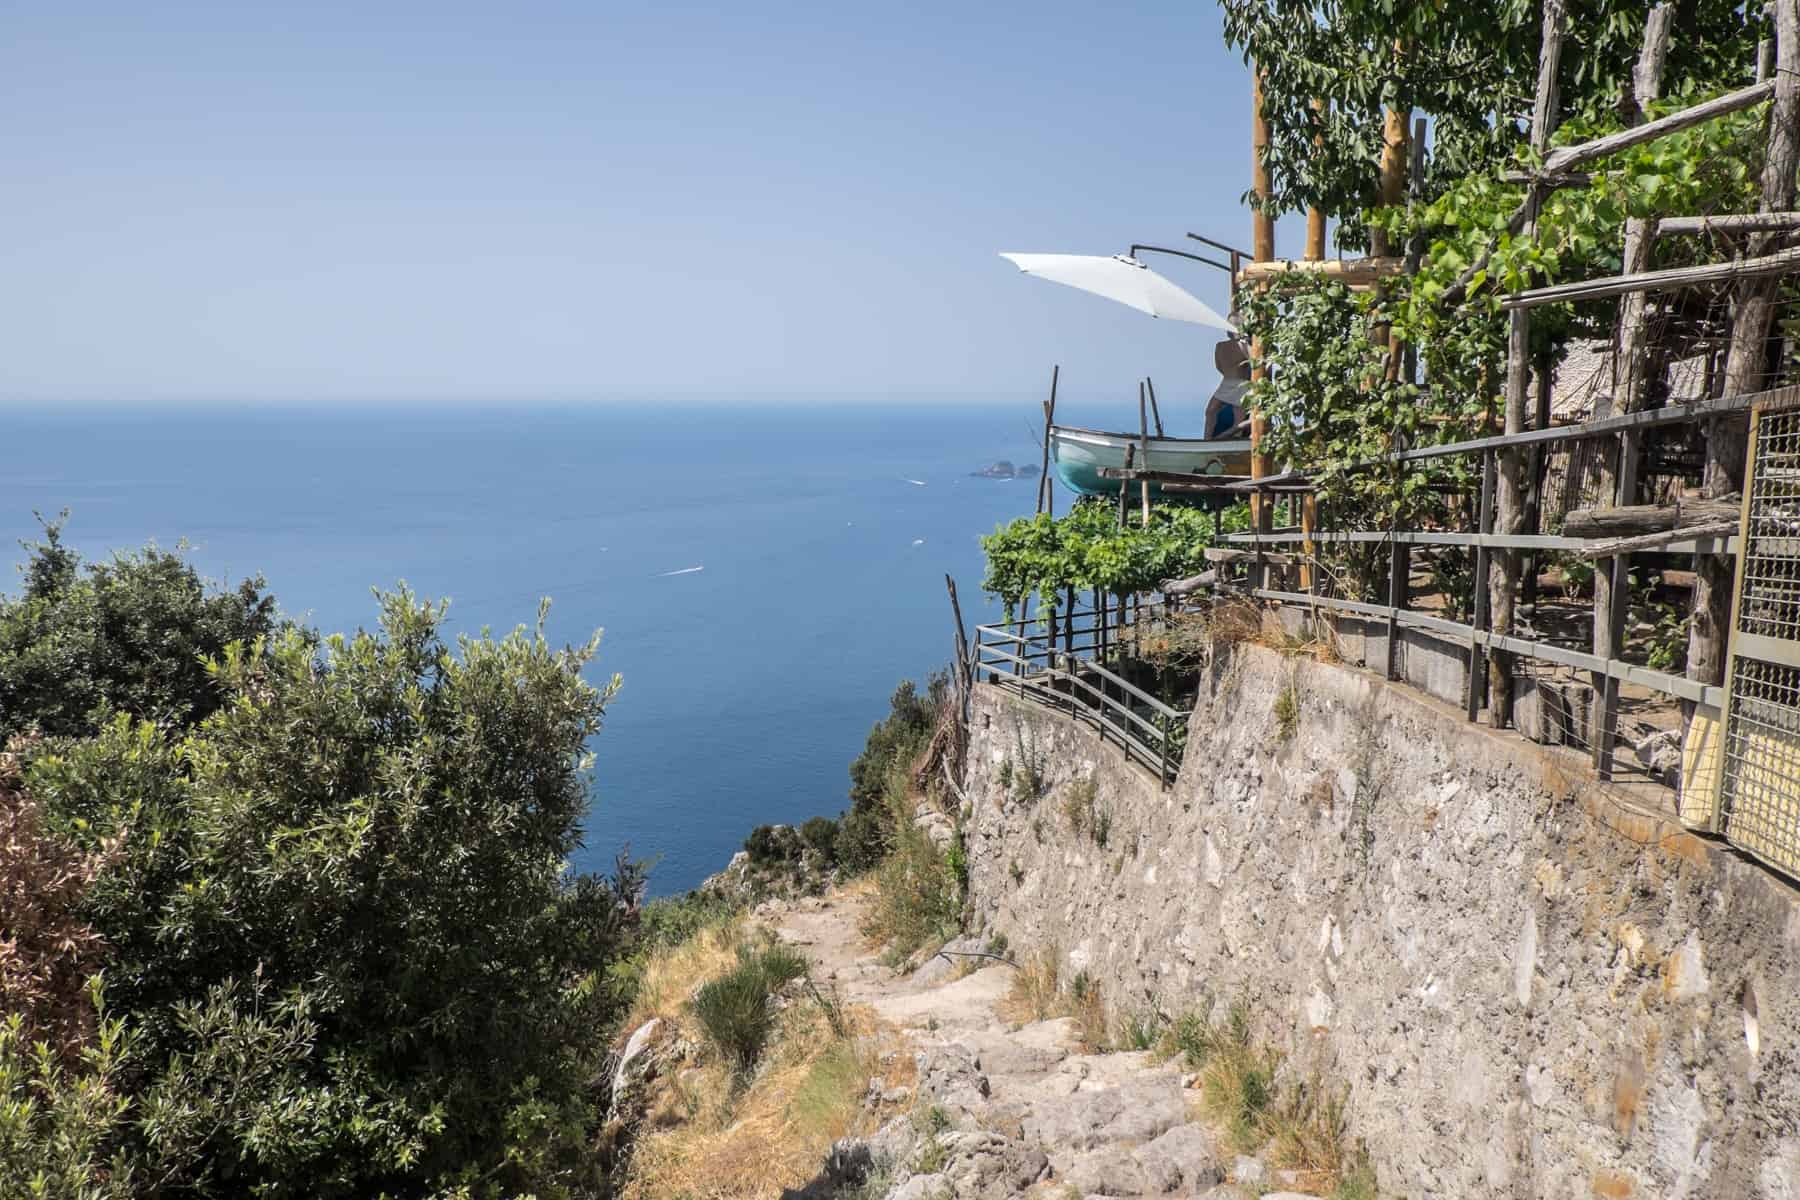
1088, 548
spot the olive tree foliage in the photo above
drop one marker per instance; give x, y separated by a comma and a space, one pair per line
84, 640
1471, 68
341, 930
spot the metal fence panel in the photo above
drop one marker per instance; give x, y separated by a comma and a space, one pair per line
1759, 780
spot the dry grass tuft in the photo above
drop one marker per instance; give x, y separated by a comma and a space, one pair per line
773, 1134
1037, 993
673, 974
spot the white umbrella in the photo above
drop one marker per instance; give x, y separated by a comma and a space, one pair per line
1124, 279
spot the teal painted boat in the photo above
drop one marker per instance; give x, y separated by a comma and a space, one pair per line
1078, 455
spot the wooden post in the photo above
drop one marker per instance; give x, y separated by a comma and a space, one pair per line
1747, 361
1144, 455
1509, 509
1315, 216
1125, 484
1480, 620
1534, 482
1618, 461
1391, 187
1262, 249
1046, 492
1399, 572
965, 669
1155, 413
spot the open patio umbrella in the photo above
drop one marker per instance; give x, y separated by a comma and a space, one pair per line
1122, 278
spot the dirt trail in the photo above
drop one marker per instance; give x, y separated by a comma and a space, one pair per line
1018, 1110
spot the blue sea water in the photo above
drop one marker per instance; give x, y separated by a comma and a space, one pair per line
765, 574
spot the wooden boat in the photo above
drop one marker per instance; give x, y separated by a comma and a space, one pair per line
1078, 455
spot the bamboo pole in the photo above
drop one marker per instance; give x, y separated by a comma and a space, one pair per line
1155, 413
1503, 572
1747, 361
1125, 483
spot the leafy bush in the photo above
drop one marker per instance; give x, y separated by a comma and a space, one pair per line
866, 829
340, 928
48, 953
129, 635
60, 1119
769, 844
820, 835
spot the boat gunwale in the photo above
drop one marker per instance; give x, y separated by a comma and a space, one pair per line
1133, 439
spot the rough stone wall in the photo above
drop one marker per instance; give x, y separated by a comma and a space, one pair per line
1530, 988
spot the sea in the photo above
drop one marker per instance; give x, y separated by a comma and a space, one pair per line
765, 573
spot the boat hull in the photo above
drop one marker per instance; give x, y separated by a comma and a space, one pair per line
1079, 455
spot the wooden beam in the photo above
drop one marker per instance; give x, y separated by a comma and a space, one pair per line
1782, 262
1761, 222
1630, 519
1353, 271
1567, 158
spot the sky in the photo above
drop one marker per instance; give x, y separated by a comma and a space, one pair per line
247, 203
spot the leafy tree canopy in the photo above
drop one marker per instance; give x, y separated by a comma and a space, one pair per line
85, 640
340, 932
1471, 68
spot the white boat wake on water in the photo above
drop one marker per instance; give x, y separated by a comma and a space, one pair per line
918, 541
914, 482
683, 571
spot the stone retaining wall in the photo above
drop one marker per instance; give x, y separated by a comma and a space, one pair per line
1529, 987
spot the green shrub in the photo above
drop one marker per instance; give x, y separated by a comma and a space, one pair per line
820, 835
865, 833
83, 641
61, 1122
340, 928
772, 844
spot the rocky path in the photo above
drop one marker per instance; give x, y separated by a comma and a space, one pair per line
1002, 1110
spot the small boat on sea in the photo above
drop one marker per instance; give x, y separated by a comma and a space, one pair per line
1078, 455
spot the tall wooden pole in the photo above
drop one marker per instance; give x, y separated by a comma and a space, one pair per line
1747, 361
1046, 493
1315, 216
1509, 499
1262, 249
1618, 462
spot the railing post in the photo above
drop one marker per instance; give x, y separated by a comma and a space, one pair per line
1162, 724
1479, 619
1399, 574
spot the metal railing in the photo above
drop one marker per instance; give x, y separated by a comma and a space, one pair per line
1063, 666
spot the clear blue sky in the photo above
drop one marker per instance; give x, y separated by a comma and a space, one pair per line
572, 200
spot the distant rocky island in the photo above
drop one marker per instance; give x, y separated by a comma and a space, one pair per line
1003, 469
